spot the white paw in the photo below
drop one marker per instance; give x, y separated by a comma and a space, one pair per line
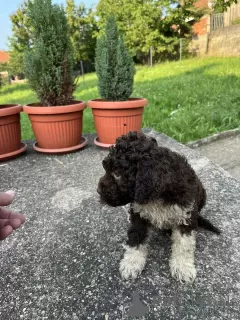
182, 258
183, 271
133, 262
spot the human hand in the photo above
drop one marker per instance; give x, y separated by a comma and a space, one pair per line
9, 220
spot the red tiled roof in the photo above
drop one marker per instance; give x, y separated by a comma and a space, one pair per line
4, 56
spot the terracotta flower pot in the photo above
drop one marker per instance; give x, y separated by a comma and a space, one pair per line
10, 132
57, 129
114, 118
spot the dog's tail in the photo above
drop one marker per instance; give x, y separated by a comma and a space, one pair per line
205, 224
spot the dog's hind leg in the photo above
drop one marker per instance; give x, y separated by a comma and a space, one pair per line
135, 256
182, 265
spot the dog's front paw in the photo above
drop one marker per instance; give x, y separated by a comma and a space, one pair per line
133, 262
183, 271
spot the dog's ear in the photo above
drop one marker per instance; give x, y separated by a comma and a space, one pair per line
144, 185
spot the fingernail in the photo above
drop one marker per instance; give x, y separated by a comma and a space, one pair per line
11, 193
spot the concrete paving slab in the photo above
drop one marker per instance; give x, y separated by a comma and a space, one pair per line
223, 151
63, 264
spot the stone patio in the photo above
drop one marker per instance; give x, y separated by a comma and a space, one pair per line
63, 263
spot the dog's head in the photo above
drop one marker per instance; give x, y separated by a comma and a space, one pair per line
137, 170
128, 170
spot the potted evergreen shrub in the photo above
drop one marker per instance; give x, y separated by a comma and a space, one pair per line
48, 65
10, 131
115, 113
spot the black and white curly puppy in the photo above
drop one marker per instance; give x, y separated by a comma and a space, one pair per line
164, 191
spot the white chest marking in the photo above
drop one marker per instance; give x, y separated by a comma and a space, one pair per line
163, 216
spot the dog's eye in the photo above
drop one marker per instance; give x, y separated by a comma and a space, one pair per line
116, 176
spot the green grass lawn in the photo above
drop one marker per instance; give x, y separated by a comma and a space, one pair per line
188, 100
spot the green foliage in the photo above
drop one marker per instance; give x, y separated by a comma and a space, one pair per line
175, 108
4, 66
82, 25
236, 21
73, 23
138, 20
20, 40
222, 5
114, 66
156, 24
48, 64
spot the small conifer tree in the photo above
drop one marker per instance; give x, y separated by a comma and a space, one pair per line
114, 65
48, 64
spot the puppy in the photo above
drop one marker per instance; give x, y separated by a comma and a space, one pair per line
164, 192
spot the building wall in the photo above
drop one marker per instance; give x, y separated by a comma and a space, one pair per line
200, 27
232, 13
225, 41
221, 42
4, 56
198, 45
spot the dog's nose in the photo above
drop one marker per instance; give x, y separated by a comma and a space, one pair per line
98, 190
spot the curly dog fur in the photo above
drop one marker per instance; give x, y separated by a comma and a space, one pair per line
164, 192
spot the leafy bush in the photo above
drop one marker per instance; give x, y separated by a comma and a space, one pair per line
48, 64
236, 21
114, 65
3, 68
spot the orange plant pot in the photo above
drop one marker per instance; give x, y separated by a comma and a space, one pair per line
115, 118
56, 129
10, 131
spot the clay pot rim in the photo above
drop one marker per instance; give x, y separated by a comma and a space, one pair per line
14, 154
83, 142
129, 104
102, 145
10, 109
36, 108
